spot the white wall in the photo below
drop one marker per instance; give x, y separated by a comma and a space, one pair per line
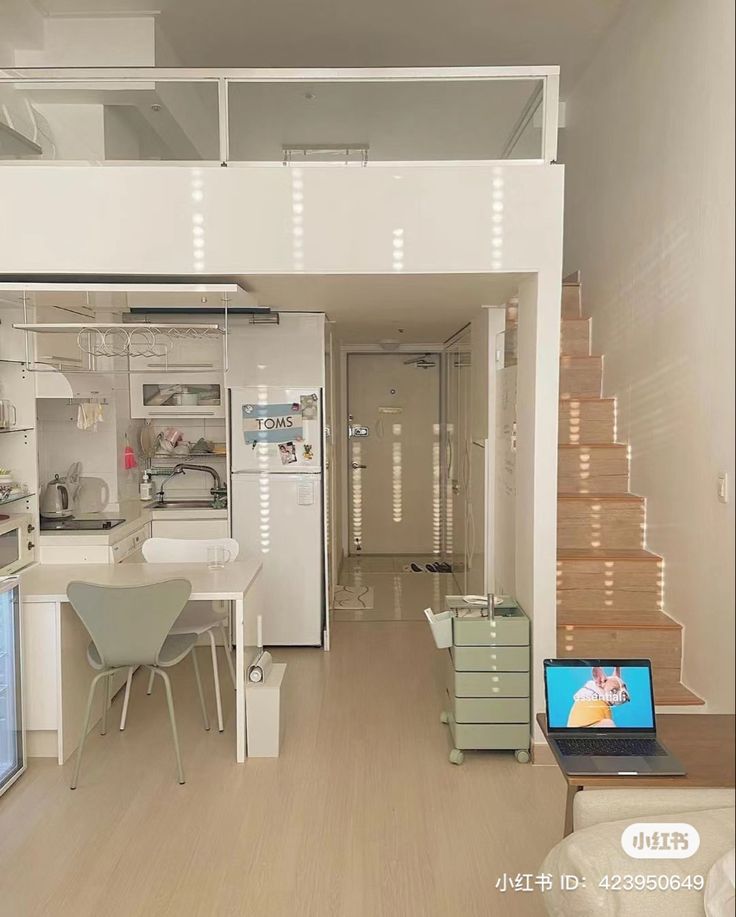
649, 149
122, 41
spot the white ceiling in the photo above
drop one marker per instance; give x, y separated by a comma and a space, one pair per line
368, 307
355, 33
364, 308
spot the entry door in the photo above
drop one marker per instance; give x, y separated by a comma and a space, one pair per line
394, 468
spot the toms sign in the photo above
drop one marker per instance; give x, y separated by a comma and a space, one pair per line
272, 423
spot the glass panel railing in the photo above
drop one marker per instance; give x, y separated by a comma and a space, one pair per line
331, 116
380, 120
110, 120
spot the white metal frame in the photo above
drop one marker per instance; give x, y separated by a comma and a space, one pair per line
547, 76
15, 583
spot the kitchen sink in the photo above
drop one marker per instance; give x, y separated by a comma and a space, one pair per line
185, 504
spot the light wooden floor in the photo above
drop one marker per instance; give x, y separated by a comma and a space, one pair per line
362, 816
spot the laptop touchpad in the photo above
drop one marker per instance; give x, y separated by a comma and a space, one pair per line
624, 765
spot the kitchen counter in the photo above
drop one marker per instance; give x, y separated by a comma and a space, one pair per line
136, 514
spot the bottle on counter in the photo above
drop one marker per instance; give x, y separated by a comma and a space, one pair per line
146, 486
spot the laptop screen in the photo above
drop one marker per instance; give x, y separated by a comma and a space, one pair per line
599, 694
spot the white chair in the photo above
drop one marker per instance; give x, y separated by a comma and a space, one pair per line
197, 617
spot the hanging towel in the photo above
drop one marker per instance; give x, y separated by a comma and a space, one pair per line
89, 415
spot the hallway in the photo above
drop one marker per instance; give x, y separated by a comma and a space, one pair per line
396, 595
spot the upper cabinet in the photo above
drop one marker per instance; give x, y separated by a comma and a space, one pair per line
184, 378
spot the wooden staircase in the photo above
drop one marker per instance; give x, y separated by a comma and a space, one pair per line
609, 586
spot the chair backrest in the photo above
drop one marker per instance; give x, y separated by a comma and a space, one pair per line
128, 624
186, 550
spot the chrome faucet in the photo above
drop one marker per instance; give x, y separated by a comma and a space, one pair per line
182, 467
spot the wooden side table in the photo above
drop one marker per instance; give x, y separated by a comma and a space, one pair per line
704, 743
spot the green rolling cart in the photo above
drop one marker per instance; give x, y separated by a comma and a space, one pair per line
487, 676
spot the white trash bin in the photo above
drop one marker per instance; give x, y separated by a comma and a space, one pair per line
263, 714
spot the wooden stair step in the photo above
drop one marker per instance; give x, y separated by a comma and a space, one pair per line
600, 521
633, 620
572, 300
661, 642
575, 337
607, 554
669, 690
593, 468
609, 581
581, 376
587, 420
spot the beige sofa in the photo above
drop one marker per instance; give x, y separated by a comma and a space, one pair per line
594, 850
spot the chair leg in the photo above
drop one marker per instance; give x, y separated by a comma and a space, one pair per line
106, 704
172, 719
126, 699
205, 718
85, 726
227, 645
216, 675
150, 683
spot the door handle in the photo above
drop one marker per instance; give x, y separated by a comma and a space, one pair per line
356, 465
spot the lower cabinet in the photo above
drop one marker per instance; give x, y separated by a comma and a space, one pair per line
190, 528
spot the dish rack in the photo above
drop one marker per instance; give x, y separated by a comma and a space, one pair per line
487, 680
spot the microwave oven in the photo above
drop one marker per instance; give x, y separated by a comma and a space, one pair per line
17, 544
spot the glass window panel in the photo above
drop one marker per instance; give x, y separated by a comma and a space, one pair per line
110, 121
393, 121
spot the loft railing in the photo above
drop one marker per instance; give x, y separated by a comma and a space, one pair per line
362, 117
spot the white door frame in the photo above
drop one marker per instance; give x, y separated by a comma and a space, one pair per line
341, 440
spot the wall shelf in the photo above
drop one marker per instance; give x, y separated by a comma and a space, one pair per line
17, 430
15, 498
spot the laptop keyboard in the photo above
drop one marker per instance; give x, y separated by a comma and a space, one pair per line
610, 747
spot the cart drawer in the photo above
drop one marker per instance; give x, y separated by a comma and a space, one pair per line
489, 684
491, 658
490, 709
475, 735
498, 632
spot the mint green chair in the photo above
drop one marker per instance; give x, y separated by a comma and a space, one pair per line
129, 626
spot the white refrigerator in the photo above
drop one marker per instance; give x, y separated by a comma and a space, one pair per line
277, 507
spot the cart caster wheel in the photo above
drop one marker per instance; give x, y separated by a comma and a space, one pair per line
522, 756
456, 756
444, 718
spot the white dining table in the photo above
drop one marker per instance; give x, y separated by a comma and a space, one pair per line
237, 582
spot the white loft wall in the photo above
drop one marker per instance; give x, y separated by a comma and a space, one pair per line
649, 150
121, 41
505, 217
140, 220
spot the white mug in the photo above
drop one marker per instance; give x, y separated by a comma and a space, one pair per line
217, 556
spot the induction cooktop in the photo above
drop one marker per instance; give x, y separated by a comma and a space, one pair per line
78, 525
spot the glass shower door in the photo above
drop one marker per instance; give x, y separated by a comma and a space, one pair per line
12, 757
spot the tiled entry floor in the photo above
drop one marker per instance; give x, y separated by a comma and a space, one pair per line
398, 596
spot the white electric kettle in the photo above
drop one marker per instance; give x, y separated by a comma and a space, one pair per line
58, 496
56, 502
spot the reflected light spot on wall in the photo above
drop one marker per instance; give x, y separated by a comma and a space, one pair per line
436, 493
396, 481
297, 219
497, 208
356, 484
198, 223
397, 246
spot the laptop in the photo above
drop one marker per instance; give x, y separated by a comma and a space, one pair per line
600, 718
